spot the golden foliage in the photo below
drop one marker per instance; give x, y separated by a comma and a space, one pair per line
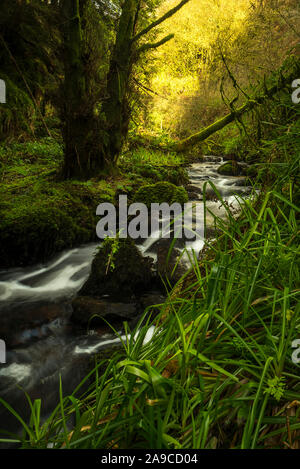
254, 36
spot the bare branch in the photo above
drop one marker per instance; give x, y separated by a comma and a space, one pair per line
154, 45
160, 20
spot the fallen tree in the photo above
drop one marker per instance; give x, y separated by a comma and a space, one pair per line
282, 82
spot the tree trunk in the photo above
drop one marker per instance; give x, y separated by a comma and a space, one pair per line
85, 155
83, 149
126, 52
116, 108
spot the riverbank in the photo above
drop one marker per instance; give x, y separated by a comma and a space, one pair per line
41, 215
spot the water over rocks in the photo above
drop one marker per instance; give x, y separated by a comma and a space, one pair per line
45, 309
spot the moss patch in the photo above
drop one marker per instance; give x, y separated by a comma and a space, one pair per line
118, 270
161, 192
230, 168
41, 215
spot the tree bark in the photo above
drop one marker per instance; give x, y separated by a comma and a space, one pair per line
85, 154
116, 108
83, 149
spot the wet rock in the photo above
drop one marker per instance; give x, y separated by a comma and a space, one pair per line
231, 156
166, 244
239, 182
230, 168
194, 196
28, 321
210, 193
151, 299
194, 189
212, 158
91, 310
118, 270
194, 192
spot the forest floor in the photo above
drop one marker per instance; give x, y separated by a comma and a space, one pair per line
41, 214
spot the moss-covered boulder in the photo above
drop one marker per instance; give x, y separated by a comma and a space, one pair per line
230, 168
161, 192
38, 232
118, 270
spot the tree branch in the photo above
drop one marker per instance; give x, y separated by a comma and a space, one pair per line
154, 45
160, 20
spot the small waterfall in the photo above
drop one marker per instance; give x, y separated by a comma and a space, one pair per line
58, 348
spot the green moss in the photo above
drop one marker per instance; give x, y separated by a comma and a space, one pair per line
43, 220
154, 166
230, 168
161, 192
18, 113
119, 270
41, 214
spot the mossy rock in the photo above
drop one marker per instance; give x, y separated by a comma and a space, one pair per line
230, 168
161, 192
41, 216
118, 270
251, 172
38, 233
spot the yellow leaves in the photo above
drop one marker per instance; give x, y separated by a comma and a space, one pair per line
200, 22
171, 369
86, 428
181, 62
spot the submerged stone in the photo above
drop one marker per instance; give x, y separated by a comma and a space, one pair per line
87, 309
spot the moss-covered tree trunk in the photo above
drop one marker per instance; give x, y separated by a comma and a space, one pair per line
83, 149
126, 52
85, 154
116, 108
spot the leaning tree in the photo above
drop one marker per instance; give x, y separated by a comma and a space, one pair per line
94, 139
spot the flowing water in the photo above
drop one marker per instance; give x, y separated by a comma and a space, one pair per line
50, 346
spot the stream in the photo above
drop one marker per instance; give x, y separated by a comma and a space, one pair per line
38, 297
